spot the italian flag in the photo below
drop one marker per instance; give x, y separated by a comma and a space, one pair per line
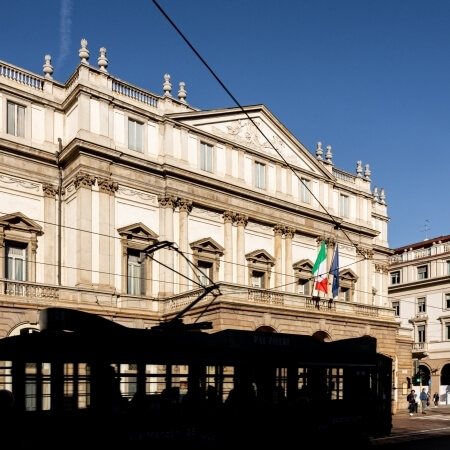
320, 270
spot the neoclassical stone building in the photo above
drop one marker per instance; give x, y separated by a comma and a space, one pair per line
96, 172
419, 290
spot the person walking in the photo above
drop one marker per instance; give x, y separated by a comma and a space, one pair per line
436, 399
423, 397
411, 399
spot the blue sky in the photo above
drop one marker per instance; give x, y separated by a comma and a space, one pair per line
368, 77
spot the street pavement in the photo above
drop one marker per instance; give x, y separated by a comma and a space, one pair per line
434, 424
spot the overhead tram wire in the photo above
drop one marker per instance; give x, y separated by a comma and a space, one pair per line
333, 220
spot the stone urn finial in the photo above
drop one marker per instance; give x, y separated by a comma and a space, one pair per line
167, 86
329, 155
359, 168
319, 151
83, 53
47, 67
103, 60
182, 92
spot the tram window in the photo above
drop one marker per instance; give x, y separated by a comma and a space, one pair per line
336, 383
5, 375
37, 386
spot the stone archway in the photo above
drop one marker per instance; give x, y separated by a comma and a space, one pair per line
322, 336
266, 329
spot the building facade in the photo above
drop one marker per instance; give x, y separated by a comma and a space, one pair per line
420, 293
124, 203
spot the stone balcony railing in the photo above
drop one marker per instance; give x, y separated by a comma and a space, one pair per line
238, 295
420, 347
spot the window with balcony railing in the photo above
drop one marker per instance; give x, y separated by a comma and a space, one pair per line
421, 333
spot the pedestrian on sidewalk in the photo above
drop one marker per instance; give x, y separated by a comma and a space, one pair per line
423, 397
411, 399
436, 399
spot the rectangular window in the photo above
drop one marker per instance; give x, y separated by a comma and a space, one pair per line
343, 205
260, 175
258, 279
422, 272
205, 272
303, 287
421, 306
134, 275
447, 301
395, 277
448, 267
16, 255
16, 120
345, 294
396, 306
447, 331
206, 155
421, 333
135, 135
305, 190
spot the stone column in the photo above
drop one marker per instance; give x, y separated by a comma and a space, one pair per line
185, 207
289, 272
241, 221
83, 246
228, 218
278, 269
106, 214
51, 233
166, 287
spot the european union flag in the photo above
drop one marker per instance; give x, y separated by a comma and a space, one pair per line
334, 270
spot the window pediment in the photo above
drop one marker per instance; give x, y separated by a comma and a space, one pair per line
303, 266
347, 275
18, 222
260, 257
137, 231
207, 245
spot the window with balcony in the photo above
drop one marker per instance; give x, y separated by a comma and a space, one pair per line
421, 305
395, 277
206, 157
136, 262
260, 175
205, 272
16, 119
422, 272
206, 258
447, 301
343, 205
16, 256
258, 279
304, 287
345, 294
260, 264
18, 245
421, 333
305, 191
396, 307
135, 131
135, 272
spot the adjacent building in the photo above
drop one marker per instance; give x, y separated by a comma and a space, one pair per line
125, 203
420, 293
